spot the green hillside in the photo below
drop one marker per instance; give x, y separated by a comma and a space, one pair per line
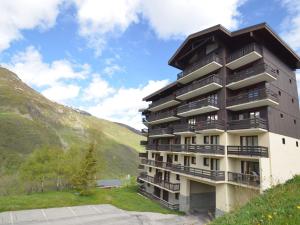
29, 121
278, 206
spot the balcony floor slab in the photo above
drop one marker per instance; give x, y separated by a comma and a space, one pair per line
164, 105
198, 111
248, 131
164, 120
244, 60
200, 91
253, 104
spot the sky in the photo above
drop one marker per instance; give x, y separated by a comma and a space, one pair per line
105, 56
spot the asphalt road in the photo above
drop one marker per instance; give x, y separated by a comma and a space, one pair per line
94, 215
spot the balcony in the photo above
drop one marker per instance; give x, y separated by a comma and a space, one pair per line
161, 201
252, 99
162, 117
161, 132
174, 187
141, 167
210, 127
184, 129
213, 175
259, 151
248, 126
258, 73
244, 56
206, 65
143, 154
244, 179
163, 103
197, 107
143, 142
204, 149
200, 87
144, 132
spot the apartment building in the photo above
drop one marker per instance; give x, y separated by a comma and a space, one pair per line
228, 128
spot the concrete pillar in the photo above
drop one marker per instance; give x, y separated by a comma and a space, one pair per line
184, 197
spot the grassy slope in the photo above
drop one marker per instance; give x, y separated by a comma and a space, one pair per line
278, 206
29, 121
125, 198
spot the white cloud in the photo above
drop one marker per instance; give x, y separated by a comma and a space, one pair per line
123, 106
168, 18
291, 24
112, 69
97, 89
18, 15
31, 68
97, 18
61, 92
177, 18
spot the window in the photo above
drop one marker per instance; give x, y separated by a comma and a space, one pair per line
292, 100
213, 99
206, 161
211, 118
206, 140
279, 93
148, 184
295, 121
192, 121
193, 140
283, 141
290, 81
176, 196
177, 177
153, 155
193, 160
214, 139
150, 169
297, 144
176, 158
255, 114
281, 115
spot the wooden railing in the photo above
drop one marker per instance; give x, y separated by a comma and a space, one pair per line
252, 71
215, 175
252, 96
183, 127
248, 150
143, 154
243, 51
205, 149
161, 131
143, 142
197, 104
160, 182
248, 124
162, 100
195, 66
161, 201
211, 124
247, 179
200, 83
161, 115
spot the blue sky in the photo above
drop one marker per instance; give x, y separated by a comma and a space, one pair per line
104, 56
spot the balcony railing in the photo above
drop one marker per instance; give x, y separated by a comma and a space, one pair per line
144, 131
162, 101
183, 128
141, 167
204, 61
214, 175
248, 124
205, 149
248, 151
243, 51
197, 104
143, 143
161, 131
161, 201
247, 179
252, 71
143, 154
161, 183
250, 96
211, 124
161, 115
200, 83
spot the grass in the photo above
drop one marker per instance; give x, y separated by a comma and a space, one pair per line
278, 206
124, 198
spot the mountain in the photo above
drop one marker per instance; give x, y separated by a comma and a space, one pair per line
29, 121
130, 128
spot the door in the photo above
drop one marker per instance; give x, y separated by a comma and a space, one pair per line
165, 195
169, 158
167, 176
186, 161
248, 141
214, 164
187, 140
156, 191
